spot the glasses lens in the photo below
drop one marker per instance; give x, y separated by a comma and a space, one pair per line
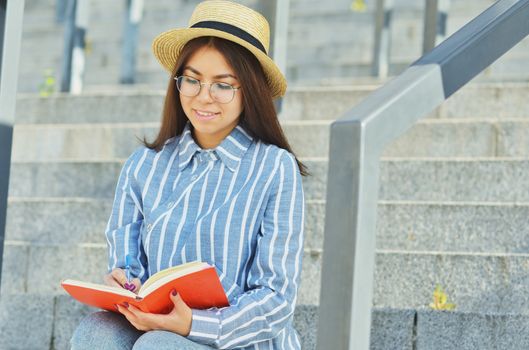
222, 92
188, 86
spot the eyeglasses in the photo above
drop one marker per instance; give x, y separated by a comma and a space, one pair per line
220, 92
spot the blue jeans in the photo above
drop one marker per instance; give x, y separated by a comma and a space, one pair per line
112, 331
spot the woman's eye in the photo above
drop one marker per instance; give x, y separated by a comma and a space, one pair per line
190, 81
223, 86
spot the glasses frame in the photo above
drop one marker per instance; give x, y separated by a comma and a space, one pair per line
234, 89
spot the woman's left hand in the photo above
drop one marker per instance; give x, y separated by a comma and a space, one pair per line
177, 321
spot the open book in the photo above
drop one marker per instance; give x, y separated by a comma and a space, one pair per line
196, 282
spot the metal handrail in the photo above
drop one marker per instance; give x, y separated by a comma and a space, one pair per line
357, 141
133, 17
73, 65
382, 45
11, 13
277, 12
435, 19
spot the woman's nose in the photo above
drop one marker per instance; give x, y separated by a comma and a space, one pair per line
204, 93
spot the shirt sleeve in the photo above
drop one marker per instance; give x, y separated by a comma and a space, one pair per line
267, 307
124, 226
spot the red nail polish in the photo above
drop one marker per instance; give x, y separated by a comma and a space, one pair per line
174, 293
126, 305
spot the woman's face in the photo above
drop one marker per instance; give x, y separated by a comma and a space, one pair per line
212, 121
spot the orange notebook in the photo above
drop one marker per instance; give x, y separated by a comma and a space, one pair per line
196, 282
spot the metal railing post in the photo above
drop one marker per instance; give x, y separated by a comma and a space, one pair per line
382, 48
435, 18
279, 42
348, 258
277, 14
77, 14
60, 10
11, 14
69, 28
133, 16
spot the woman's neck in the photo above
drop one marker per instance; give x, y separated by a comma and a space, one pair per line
206, 142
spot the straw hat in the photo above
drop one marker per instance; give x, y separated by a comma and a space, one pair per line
227, 20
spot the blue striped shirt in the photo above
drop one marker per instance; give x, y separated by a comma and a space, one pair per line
238, 207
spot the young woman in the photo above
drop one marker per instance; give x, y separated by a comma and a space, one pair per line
219, 184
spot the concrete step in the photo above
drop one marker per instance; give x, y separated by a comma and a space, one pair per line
488, 180
39, 269
474, 282
477, 100
155, 79
323, 64
145, 106
59, 316
57, 220
428, 138
401, 225
468, 227
483, 101
396, 329
485, 180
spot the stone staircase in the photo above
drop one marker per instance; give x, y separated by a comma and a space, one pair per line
453, 211
453, 201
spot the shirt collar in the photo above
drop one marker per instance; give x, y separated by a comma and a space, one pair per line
230, 151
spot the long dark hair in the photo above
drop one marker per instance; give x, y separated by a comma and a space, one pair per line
259, 117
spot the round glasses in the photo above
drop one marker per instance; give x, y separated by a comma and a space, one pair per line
220, 92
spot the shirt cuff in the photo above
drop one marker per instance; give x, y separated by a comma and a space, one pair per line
205, 326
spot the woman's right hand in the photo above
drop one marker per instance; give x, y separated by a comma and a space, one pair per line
118, 278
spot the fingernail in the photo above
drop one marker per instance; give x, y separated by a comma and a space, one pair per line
126, 305
174, 293
116, 306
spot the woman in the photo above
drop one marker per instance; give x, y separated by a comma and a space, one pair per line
219, 184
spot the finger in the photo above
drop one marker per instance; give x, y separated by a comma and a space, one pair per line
130, 317
183, 312
177, 300
139, 316
140, 320
135, 311
110, 281
126, 312
137, 284
119, 276
175, 297
141, 327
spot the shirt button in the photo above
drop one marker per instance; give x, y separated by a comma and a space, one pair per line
149, 227
194, 177
170, 204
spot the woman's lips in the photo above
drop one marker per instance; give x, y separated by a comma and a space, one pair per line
204, 115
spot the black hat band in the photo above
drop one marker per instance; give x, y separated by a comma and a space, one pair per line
230, 29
